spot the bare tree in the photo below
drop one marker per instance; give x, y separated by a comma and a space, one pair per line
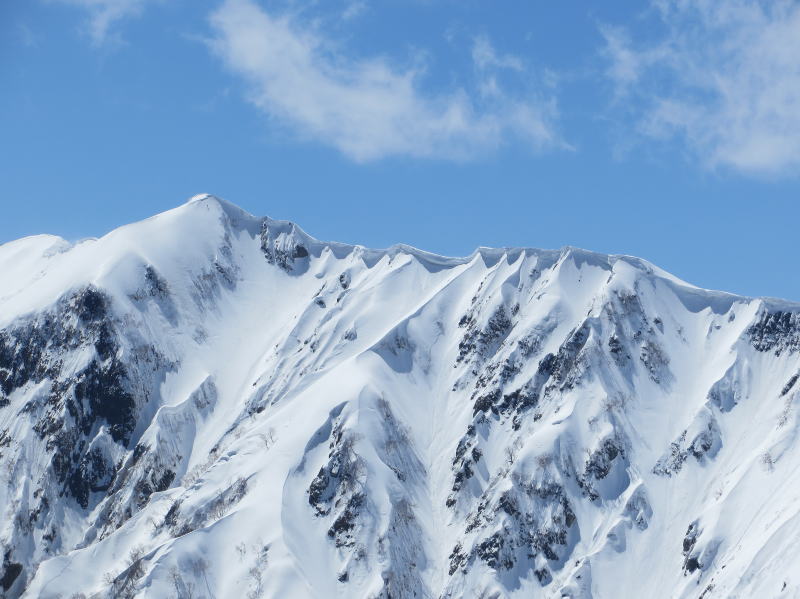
123, 586
199, 567
183, 589
256, 573
241, 549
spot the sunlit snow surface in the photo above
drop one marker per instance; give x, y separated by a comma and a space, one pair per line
207, 403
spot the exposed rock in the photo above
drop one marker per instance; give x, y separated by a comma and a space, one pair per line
776, 331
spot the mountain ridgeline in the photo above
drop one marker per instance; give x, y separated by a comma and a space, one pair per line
211, 404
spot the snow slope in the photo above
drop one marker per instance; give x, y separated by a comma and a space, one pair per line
210, 404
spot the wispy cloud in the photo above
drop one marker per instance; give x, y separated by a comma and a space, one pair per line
26, 35
367, 107
353, 9
104, 13
485, 56
724, 77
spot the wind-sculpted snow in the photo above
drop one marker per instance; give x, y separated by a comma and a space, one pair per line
211, 404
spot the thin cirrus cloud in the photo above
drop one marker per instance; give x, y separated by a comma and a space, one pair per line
103, 14
485, 56
724, 77
365, 107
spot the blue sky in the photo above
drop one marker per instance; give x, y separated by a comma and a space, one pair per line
668, 130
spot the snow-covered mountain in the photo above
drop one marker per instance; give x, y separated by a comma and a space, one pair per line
210, 404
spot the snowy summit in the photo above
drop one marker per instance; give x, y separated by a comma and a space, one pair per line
212, 404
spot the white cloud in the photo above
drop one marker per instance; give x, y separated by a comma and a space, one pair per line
485, 56
353, 9
625, 63
104, 13
365, 107
725, 78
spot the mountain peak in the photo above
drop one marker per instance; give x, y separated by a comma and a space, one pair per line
514, 423
202, 196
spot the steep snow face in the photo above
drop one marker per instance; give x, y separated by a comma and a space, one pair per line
210, 404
